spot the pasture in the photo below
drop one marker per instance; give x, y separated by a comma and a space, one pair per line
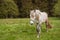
20, 29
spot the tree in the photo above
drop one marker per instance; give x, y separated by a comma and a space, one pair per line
57, 9
51, 4
24, 7
8, 9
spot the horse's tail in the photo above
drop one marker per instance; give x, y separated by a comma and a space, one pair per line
48, 25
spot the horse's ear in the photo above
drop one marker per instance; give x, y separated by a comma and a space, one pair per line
30, 11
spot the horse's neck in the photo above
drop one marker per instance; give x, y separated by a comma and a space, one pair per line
37, 16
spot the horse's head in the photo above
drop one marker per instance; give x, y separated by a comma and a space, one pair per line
32, 17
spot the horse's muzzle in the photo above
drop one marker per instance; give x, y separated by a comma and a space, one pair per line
31, 22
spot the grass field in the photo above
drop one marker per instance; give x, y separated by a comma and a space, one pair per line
20, 29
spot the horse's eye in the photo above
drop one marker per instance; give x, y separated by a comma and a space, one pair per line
32, 16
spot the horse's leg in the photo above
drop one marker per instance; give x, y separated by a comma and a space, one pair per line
47, 25
38, 29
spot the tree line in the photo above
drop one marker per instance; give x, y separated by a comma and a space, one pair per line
21, 8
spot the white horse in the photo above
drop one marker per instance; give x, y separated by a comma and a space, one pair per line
38, 17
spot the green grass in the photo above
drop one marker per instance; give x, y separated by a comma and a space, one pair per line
20, 29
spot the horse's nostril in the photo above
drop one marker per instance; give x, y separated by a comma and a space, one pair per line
31, 23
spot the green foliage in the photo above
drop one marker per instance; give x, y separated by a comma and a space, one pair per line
43, 5
21, 8
57, 9
24, 7
8, 9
